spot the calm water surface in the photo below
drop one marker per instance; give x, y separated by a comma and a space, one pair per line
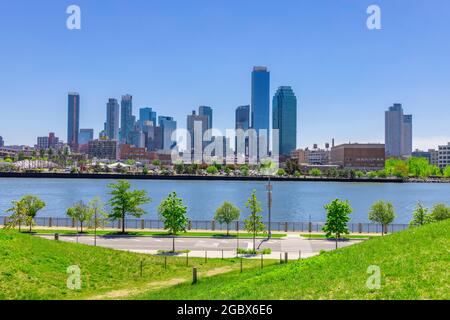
292, 201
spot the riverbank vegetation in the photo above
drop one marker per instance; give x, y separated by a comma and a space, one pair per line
412, 169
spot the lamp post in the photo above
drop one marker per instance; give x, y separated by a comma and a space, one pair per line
269, 204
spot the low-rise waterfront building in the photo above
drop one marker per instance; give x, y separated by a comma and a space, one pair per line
367, 156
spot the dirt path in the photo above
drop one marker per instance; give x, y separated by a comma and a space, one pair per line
155, 285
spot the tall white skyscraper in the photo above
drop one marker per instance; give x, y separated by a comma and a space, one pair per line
398, 132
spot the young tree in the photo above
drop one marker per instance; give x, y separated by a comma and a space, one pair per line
18, 216
420, 216
80, 212
125, 202
337, 218
253, 223
382, 213
31, 206
173, 214
227, 213
99, 216
440, 212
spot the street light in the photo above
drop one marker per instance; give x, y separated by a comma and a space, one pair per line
269, 204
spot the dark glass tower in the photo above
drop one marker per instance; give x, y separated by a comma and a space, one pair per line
73, 123
207, 112
112, 119
285, 119
260, 106
126, 119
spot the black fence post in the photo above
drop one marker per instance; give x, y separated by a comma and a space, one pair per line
241, 264
194, 275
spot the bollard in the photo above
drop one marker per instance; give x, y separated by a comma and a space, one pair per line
165, 262
57, 236
194, 275
281, 260
300, 254
206, 256
241, 264
285, 257
187, 259
262, 260
222, 254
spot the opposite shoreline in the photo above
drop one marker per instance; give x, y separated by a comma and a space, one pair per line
118, 176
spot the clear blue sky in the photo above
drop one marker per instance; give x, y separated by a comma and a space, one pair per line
176, 55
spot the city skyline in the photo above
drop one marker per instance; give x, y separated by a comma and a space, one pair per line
337, 67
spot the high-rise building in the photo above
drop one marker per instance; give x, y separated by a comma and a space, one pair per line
73, 124
197, 126
85, 136
260, 105
207, 112
168, 126
126, 119
285, 119
407, 146
242, 120
154, 137
2, 142
112, 119
147, 114
398, 132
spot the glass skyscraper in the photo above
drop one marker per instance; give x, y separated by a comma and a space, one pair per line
147, 114
168, 126
126, 119
285, 119
242, 117
73, 120
86, 135
260, 105
207, 112
112, 119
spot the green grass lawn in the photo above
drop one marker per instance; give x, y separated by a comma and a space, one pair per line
158, 233
414, 264
35, 268
323, 236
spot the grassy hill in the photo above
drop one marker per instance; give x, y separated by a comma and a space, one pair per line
414, 264
34, 268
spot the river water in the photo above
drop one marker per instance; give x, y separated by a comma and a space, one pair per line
292, 201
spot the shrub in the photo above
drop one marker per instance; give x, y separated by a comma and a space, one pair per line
212, 170
315, 172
